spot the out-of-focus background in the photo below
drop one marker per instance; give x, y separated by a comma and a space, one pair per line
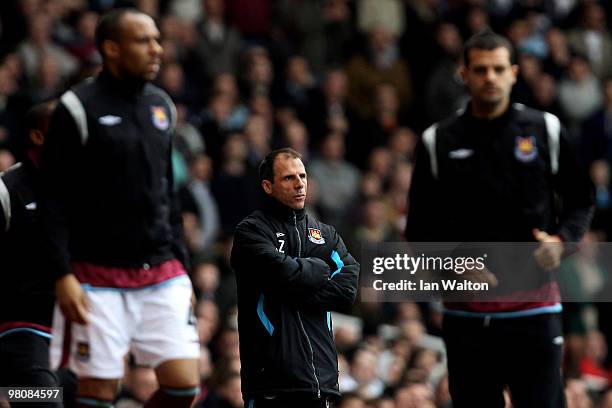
350, 84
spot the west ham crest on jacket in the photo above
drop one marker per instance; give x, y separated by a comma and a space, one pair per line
159, 117
314, 235
525, 149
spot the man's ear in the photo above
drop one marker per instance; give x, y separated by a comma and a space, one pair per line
267, 186
111, 49
463, 73
515, 72
37, 138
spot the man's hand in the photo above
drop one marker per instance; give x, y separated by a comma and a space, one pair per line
72, 299
548, 255
480, 276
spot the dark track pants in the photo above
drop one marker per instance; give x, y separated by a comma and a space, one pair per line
24, 362
523, 353
293, 400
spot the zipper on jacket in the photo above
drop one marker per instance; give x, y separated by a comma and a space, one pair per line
314, 370
297, 231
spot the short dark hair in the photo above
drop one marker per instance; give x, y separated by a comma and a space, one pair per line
487, 40
266, 168
39, 116
109, 26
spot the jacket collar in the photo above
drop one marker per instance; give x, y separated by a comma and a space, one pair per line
502, 119
281, 211
127, 87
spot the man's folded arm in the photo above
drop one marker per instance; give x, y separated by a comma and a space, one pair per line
340, 291
256, 255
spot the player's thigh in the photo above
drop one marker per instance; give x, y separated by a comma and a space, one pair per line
97, 349
535, 363
166, 331
25, 360
475, 370
99, 389
181, 373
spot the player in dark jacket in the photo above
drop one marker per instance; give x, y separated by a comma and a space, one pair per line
111, 221
500, 172
26, 293
291, 271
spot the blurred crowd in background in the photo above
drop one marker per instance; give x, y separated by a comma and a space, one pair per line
349, 84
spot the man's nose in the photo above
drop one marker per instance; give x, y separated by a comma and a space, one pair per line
156, 48
491, 75
299, 183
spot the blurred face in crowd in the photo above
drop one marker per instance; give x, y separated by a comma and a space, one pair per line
578, 69
137, 53
489, 76
335, 85
290, 183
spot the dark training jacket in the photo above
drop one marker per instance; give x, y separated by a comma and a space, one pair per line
107, 177
291, 271
496, 180
478, 180
26, 293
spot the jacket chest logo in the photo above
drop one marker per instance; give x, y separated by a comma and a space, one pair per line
460, 154
110, 120
160, 118
315, 236
525, 149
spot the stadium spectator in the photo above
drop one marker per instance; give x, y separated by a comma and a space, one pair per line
597, 130
295, 136
259, 73
337, 179
351, 401
445, 92
376, 131
559, 54
580, 94
362, 379
233, 183
201, 219
414, 395
40, 44
381, 63
218, 44
321, 29
402, 144
330, 110
372, 14
592, 40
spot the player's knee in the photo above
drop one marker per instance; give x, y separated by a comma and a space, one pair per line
97, 389
178, 374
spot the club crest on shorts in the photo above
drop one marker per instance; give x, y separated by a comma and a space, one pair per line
315, 236
160, 117
82, 351
525, 149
